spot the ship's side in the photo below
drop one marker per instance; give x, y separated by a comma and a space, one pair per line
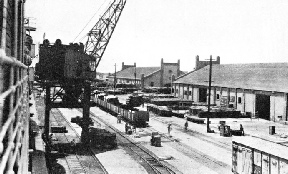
14, 90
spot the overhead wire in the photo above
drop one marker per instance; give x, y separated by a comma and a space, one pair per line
88, 22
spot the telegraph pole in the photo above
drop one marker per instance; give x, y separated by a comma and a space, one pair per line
115, 79
135, 75
171, 90
209, 93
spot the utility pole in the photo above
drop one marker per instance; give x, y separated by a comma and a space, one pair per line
171, 83
115, 79
135, 75
209, 93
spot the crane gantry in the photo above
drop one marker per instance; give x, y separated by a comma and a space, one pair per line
69, 69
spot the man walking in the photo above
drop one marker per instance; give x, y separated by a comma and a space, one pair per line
119, 118
169, 128
186, 125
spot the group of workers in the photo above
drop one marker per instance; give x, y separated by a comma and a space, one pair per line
129, 129
169, 127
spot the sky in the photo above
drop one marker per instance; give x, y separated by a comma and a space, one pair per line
239, 31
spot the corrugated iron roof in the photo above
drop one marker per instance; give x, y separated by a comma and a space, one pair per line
256, 76
129, 72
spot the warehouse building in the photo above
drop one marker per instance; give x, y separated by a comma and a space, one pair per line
160, 76
258, 89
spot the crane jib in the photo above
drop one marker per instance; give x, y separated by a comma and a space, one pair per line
100, 34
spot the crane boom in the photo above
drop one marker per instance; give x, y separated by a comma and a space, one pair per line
100, 34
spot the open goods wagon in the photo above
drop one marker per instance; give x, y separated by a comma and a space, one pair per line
137, 118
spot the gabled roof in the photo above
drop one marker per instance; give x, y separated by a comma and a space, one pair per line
129, 72
256, 76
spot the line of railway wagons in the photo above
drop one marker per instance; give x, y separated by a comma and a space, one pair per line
134, 117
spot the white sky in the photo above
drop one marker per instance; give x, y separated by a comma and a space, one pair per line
239, 31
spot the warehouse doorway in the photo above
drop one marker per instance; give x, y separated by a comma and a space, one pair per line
202, 95
263, 106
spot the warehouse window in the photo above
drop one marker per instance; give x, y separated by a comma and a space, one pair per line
190, 92
239, 100
185, 92
176, 90
151, 83
217, 96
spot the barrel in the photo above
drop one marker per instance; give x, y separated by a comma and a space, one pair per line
271, 130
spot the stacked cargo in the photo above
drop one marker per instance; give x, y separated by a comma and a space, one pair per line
160, 110
155, 139
102, 138
135, 101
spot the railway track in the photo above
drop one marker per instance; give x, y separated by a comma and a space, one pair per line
152, 163
199, 135
82, 160
195, 154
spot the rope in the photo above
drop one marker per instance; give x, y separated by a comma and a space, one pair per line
88, 22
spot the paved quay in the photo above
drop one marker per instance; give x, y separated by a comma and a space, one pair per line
116, 160
257, 128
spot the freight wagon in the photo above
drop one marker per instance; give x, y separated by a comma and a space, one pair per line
137, 118
255, 155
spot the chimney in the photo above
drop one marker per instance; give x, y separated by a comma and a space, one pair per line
142, 81
197, 62
161, 72
218, 60
178, 68
122, 65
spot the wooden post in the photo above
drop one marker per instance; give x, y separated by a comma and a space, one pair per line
209, 94
86, 113
47, 112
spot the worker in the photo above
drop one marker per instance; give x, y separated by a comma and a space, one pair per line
129, 130
186, 125
126, 127
119, 118
73, 146
169, 128
242, 130
134, 128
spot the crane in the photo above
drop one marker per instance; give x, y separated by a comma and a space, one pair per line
70, 68
100, 34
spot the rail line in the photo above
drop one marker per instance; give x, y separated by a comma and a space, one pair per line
157, 166
193, 153
197, 134
85, 161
